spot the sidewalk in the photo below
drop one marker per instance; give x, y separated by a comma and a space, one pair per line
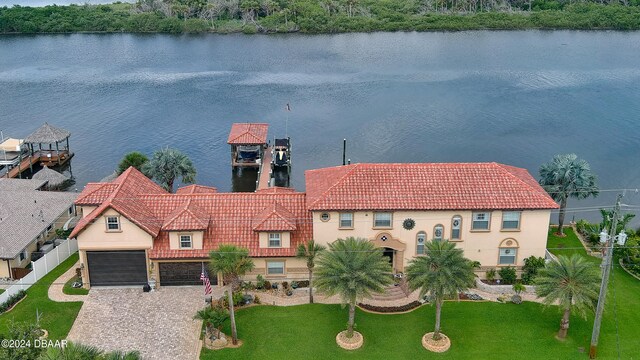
55, 290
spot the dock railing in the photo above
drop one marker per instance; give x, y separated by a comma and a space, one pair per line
42, 267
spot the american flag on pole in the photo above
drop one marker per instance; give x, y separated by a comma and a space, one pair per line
205, 281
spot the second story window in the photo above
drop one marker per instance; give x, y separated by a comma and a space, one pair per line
274, 240
511, 220
113, 223
382, 220
346, 220
438, 230
480, 221
456, 224
185, 242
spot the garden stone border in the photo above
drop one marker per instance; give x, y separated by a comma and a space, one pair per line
350, 345
502, 289
628, 272
428, 343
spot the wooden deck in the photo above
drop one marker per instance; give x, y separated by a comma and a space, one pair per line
43, 157
264, 179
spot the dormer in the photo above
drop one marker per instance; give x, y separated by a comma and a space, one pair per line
274, 225
186, 226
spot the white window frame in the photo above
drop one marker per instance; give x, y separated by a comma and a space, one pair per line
456, 228
342, 219
376, 220
117, 223
420, 247
270, 267
435, 230
180, 241
508, 214
275, 240
502, 252
474, 219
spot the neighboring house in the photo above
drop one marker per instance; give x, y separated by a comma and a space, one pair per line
133, 231
497, 214
28, 217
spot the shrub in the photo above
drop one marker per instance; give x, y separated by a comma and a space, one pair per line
530, 269
259, 282
391, 309
294, 284
256, 300
518, 288
238, 299
274, 285
303, 283
490, 274
12, 300
508, 275
267, 284
285, 285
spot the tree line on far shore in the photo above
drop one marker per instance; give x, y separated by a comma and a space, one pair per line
321, 16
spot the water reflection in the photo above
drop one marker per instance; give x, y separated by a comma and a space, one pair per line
244, 179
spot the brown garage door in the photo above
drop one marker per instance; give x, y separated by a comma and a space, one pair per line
183, 273
117, 268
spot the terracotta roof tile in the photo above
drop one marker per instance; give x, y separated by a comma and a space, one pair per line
196, 189
428, 186
186, 217
95, 193
248, 133
274, 218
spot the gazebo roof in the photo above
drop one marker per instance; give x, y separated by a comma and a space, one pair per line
47, 134
53, 177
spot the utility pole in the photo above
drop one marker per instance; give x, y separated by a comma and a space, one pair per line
344, 151
606, 264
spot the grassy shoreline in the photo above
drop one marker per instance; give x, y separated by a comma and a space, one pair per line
118, 18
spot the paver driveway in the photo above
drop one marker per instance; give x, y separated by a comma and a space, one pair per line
159, 324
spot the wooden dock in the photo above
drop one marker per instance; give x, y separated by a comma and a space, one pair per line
49, 158
264, 176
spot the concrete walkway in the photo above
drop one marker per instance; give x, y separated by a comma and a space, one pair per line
55, 290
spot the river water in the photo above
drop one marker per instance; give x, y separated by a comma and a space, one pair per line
515, 97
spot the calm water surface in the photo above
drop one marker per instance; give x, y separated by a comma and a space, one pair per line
511, 97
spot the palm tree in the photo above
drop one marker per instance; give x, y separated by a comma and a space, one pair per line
567, 176
232, 262
309, 251
573, 283
168, 164
213, 318
135, 159
354, 269
75, 351
442, 272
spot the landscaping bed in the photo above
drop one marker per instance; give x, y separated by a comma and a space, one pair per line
68, 288
390, 309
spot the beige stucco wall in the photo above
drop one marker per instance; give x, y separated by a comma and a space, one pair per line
294, 269
285, 239
130, 237
482, 246
85, 210
196, 239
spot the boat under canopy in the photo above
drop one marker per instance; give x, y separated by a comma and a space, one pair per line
247, 152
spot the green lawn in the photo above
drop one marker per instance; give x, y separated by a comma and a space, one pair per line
483, 330
57, 318
2, 290
69, 290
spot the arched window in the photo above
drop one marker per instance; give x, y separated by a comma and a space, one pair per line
438, 232
456, 225
508, 252
421, 238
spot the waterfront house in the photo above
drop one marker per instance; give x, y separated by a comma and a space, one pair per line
132, 231
28, 218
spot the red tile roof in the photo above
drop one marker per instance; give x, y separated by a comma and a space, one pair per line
196, 189
232, 219
186, 217
95, 193
248, 134
274, 217
428, 186
124, 191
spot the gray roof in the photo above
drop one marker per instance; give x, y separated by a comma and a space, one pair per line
21, 184
24, 214
47, 134
54, 178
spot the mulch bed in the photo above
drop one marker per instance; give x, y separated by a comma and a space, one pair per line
390, 309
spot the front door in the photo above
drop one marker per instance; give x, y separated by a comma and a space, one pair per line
389, 254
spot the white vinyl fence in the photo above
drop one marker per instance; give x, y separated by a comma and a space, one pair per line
42, 267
